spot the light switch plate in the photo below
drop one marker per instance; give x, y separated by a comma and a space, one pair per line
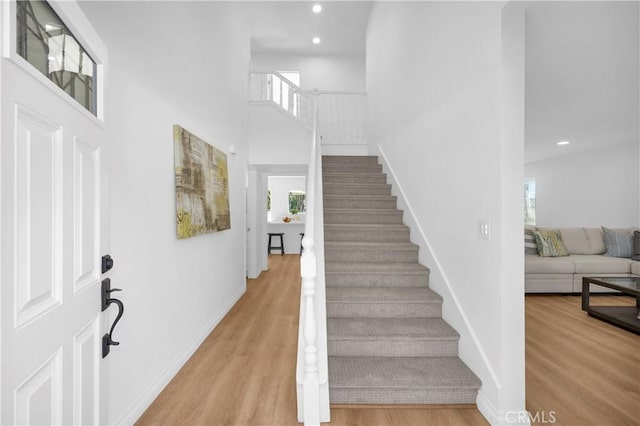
484, 229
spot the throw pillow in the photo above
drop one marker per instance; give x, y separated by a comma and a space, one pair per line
636, 245
619, 243
550, 244
529, 241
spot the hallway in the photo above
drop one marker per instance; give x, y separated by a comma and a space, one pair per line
244, 373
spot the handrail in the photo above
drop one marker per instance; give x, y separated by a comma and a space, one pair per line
271, 86
313, 403
343, 115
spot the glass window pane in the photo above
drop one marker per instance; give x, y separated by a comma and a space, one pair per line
530, 202
47, 44
297, 202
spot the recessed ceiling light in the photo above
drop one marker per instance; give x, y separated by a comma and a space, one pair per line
316, 8
563, 143
316, 40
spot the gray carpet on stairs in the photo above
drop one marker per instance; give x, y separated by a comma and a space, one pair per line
387, 341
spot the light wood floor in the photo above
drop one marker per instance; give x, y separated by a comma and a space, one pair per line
243, 373
585, 370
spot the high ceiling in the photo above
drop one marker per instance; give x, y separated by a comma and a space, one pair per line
582, 77
582, 63
287, 27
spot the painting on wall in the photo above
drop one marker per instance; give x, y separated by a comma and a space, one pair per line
202, 186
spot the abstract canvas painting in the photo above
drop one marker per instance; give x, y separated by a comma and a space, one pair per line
202, 186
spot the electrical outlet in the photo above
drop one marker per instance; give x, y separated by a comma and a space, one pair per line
484, 229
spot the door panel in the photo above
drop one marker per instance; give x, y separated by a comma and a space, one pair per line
39, 396
38, 216
86, 203
52, 175
86, 375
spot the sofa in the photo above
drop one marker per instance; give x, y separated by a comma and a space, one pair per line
588, 256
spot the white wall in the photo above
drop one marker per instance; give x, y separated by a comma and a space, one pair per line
334, 73
174, 291
592, 188
435, 92
275, 138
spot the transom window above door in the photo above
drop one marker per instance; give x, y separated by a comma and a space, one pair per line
45, 42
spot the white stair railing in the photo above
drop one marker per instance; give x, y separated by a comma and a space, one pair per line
312, 371
343, 118
273, 87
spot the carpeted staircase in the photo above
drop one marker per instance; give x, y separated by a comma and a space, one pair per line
387, 341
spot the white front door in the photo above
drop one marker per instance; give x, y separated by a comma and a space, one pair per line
53, 175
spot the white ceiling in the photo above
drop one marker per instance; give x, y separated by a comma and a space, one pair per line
582, 63
287, 27
582, 76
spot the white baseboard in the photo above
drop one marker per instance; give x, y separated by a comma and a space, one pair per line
421, 240
138, 407
501, 418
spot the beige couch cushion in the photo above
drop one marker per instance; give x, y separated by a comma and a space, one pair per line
534, 264
594, 264
635, 268
582, 240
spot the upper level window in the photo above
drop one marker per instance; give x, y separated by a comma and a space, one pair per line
47, 44
284, 94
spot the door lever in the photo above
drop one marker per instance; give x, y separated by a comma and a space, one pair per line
107, 339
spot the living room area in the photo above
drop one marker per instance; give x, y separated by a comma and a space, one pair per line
582, 210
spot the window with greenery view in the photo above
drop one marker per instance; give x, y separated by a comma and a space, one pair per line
296, 202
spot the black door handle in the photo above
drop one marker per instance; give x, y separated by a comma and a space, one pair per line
107, 339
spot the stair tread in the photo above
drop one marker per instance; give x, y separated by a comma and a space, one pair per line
402, 295
358, 184
347, 174
362, 197
371, 245
350, 157
389, 329
375, 268
371, 227
400, 372
350, 211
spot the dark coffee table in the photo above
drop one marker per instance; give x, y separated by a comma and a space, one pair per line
622, 316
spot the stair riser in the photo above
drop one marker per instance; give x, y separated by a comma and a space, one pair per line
351, 168
350, 203
363, 217
383, 310
402, 396
366, 235
355, 178
356, 189
356, 159
333, 254
393, 348
376, 280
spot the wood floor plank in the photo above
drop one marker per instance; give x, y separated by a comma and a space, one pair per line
585, 370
